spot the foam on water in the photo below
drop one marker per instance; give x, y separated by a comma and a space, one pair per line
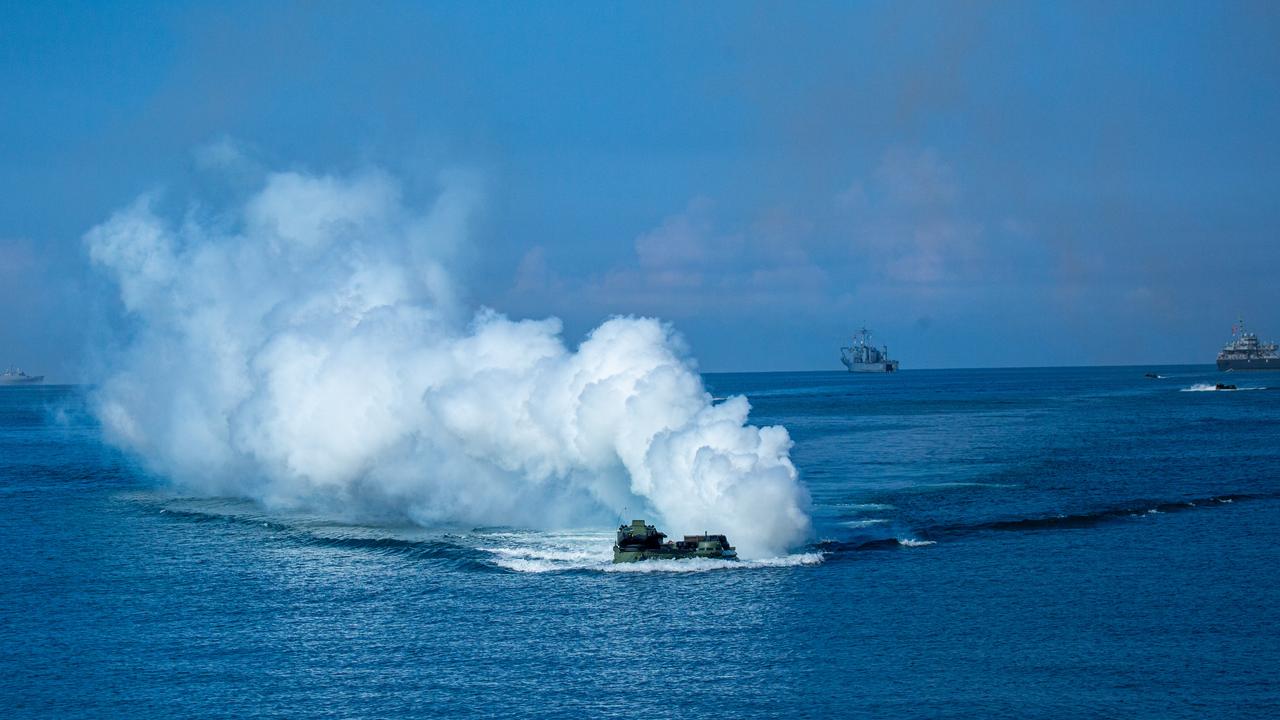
530, 551
865, 506
705, 564
542, 552
864, 523
694, 565
953, 485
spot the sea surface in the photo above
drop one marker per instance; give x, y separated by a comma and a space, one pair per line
1032, 543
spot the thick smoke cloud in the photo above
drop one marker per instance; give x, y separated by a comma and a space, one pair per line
306, 348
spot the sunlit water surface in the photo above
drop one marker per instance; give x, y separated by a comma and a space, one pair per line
989, 543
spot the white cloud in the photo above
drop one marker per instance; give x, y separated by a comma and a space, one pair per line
916, 177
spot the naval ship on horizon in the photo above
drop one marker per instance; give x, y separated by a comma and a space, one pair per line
14, 376
862, 356
1244, 352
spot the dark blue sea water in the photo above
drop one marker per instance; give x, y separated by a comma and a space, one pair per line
1041, 543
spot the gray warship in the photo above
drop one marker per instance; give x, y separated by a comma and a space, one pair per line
1245, 352
14, 376
640, 541
862, 356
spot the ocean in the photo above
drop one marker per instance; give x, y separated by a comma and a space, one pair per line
1014, 543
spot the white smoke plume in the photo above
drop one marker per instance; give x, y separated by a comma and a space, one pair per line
306, 349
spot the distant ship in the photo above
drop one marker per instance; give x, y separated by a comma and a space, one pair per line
862, 356
14, 376
1244, 352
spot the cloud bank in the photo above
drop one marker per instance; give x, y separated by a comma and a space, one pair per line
307, 348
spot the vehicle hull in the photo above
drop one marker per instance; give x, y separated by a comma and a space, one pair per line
623, 556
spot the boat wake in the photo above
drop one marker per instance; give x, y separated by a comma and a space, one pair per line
486, 549
691, 565
542, 552
924, 536
1209, 387
865, 523
570, 551
1068, 521
940, 486
838, 547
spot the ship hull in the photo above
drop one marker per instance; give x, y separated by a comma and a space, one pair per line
1249, 364
22, 380
880, 367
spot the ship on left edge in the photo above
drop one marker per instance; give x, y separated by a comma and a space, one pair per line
15, 376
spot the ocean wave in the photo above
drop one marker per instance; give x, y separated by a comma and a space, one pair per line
485, 549
414, 543
1212, 387
1069, 521
531, 563
530, 551
929, 487
864, 506
840, 547
931, 535
590, 551
692, 565
705, 564
864, 523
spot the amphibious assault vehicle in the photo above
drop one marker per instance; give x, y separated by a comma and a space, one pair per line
639, 541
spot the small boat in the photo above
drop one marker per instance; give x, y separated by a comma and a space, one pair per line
1223, 386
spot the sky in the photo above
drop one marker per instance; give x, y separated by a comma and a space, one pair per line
980, 184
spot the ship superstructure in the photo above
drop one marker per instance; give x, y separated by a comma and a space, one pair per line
862, 356
15, 376
1245, 352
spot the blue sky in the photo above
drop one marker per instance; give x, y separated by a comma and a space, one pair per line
983, 184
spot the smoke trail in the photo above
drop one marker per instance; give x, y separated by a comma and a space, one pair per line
307, 350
